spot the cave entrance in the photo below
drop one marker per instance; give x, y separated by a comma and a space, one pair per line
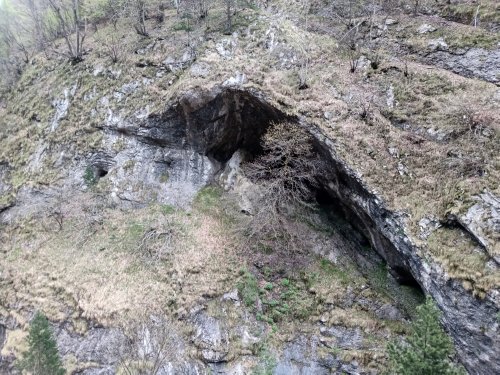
355, 229
232, 120
101, 172
236, 119
395, 281
404, 277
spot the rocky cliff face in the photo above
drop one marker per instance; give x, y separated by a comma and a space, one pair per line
471, 321
169, 157
236, 121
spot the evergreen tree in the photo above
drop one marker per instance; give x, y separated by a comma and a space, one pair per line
42, 357
428, 348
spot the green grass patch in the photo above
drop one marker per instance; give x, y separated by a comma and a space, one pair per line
183, 25
267, 361
465, 13
208, 198
341, 274
286, 299
379, 276
167, 209
89, 177
248, 288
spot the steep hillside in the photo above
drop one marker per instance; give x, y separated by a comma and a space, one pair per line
128, 215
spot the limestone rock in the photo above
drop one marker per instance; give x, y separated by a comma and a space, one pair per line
482, 220
200, 69
211, 338
438, 44
61, 106
99, 345
237, 80
225, 48
345, 338
388, 312
425, 28
427, 226
474, 62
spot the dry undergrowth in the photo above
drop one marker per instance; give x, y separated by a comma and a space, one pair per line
98, 266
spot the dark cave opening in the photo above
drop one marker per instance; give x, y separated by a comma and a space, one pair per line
232, 120
403, 286
235, 119
404, 277
101, 172
240, 118
335, 213
355, 229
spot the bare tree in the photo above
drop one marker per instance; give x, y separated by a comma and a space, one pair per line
229, 5
34, 11
113, 10
112, 46
140, 10
150, 345
16, 47
14, 42
70, 25
285, 173
304, 69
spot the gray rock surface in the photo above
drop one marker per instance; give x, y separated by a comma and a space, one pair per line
344, 338
164, 158
482, 220
472, 322
301, 357
425, 28
474, 62
211, 338
99, 345
438, 44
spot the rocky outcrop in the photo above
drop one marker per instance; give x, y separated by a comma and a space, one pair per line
236, 119
472, 322
482, 220
167, 157
473, 62
211, 338
164, 157
98, 345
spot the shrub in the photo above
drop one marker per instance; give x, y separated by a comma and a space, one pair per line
248, 288
89, 177
42, 357
427, 350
